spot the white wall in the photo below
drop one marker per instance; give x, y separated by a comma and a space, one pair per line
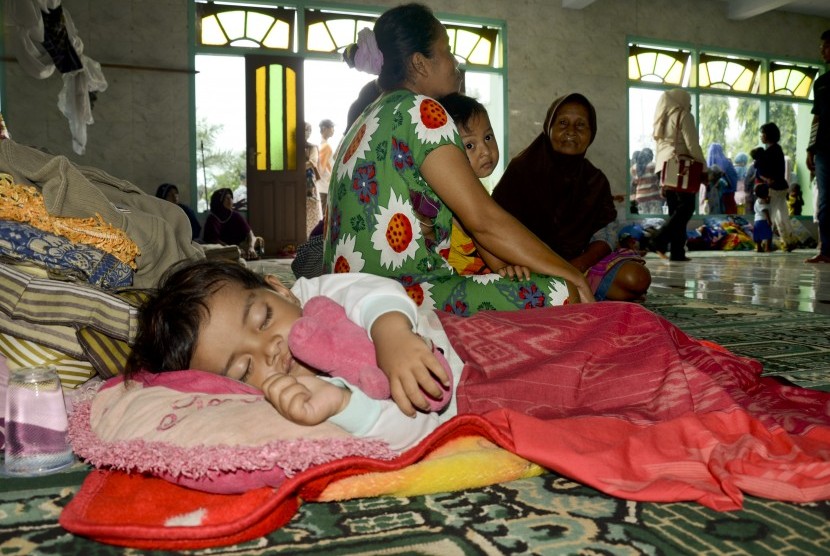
142, 122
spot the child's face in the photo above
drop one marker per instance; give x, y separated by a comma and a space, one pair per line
480, 145
245, 334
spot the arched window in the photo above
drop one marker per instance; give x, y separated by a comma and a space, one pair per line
473, 46
728, 72
331, 32
248, 26
731, 94
657, 65
791, 80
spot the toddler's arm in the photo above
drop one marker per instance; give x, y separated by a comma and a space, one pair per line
408, 362
383, 308
310, 400
305, 400
373, 419
501, 267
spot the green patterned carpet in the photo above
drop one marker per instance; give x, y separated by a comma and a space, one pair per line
543, 515
792, 345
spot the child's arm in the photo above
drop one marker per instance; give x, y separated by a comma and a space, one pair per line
407, 361
305, 400
501, 267
383, 308
310, 400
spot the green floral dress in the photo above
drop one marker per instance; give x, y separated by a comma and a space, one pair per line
376, 192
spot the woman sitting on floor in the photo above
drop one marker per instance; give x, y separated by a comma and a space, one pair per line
401, 169
565, 200
226, 226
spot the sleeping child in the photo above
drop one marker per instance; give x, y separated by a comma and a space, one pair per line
482, 149
225, 319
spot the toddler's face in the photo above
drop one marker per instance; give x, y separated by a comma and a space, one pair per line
480, 145
245, 334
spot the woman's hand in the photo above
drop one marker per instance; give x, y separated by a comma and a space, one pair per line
408, 362
583, 291
448, 172
305, 400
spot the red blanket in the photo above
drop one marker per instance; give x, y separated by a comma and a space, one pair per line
614, 396
608, 394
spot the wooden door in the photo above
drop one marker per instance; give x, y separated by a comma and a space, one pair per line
276, 154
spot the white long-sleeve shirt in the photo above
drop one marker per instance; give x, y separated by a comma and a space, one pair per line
365, 297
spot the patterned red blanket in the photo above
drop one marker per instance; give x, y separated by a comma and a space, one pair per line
614, 396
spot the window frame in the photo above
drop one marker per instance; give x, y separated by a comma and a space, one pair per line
498, 67
761, 92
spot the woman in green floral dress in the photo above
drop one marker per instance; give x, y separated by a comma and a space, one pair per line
401, 173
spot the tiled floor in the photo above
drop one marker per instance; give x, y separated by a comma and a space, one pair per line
777, 279
780, 280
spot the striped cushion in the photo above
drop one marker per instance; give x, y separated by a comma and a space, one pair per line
106, 354
76, 320
24, 353
42, 301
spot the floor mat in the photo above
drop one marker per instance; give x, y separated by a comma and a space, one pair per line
791, 345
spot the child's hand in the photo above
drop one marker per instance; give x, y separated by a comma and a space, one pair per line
408, 362
514, 271
305, 400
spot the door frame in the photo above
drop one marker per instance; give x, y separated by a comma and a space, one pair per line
276, 197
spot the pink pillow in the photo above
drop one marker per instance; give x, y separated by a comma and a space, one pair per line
203, 431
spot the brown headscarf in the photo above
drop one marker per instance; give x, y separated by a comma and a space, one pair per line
563, 199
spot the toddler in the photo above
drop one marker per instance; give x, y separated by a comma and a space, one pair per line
482, 149
762, 227
220, 317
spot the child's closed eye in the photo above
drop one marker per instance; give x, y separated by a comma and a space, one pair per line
269, 314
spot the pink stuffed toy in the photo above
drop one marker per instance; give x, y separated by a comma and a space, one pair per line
324, 338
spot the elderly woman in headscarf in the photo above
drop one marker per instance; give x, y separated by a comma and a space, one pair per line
675, 132
565, 200
226, 226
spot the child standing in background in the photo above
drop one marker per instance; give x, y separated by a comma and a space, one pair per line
762, 227
482, 150
795, 200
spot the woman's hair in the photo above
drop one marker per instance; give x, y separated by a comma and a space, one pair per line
217, 198
642, 159
402, 32
462, 108
164, 189
771, 131
368, 94
170, 320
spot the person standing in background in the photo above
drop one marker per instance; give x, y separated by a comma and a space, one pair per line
675, 132
324, 162
773, 172
818, 153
